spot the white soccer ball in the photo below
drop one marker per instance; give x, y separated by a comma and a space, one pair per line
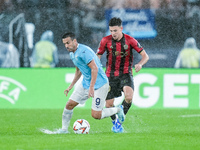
81, 126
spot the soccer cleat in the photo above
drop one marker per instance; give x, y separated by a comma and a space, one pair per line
117, 127
121, 114
61, 131
113, 127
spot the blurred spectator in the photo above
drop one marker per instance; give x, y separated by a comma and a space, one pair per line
9, 56
193, 9
114, 4
154, 4
45, 52
189, 56
93, 12
133, 4
177, 8
174, 9
6, 5
130, 4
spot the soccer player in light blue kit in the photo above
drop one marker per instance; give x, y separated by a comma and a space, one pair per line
94, 84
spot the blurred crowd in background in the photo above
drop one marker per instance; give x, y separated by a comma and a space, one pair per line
9, 5
176, 20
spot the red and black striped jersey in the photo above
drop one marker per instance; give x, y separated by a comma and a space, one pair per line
119, 54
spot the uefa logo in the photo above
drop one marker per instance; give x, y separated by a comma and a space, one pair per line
10, 89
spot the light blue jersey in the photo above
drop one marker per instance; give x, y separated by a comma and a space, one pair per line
82, 56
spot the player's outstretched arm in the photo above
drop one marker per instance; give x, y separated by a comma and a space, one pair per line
94, 71
143, 61
76, 78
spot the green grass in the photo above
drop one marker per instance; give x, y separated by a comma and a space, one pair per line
153, 129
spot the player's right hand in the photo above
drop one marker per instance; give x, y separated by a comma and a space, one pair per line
138, 67
66, 91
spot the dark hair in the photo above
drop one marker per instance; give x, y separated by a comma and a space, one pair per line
69, 34
115, 22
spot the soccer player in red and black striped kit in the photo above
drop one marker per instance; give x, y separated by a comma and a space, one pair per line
119, 48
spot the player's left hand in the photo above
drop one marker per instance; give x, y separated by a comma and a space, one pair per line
138, 67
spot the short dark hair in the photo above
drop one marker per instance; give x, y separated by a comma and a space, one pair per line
115, 22
69, 34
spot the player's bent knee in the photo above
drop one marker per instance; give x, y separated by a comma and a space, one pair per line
128, 98
71, 104
109, 105
96, 114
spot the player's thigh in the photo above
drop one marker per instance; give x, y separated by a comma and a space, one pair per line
80, 95
115, 90
98, 102
128, 86
127, 80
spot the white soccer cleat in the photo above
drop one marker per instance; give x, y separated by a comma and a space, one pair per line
58, 131
61, 131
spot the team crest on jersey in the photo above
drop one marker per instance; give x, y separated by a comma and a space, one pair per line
125, 47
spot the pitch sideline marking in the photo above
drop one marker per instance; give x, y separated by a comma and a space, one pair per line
193, 115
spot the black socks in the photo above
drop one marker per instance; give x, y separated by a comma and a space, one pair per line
126, 106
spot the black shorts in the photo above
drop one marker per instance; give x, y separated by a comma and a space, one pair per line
117, 84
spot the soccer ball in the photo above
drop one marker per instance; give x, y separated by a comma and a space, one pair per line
81, 126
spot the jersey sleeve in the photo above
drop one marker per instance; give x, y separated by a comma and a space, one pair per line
102, 47
87, 56
136, 45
